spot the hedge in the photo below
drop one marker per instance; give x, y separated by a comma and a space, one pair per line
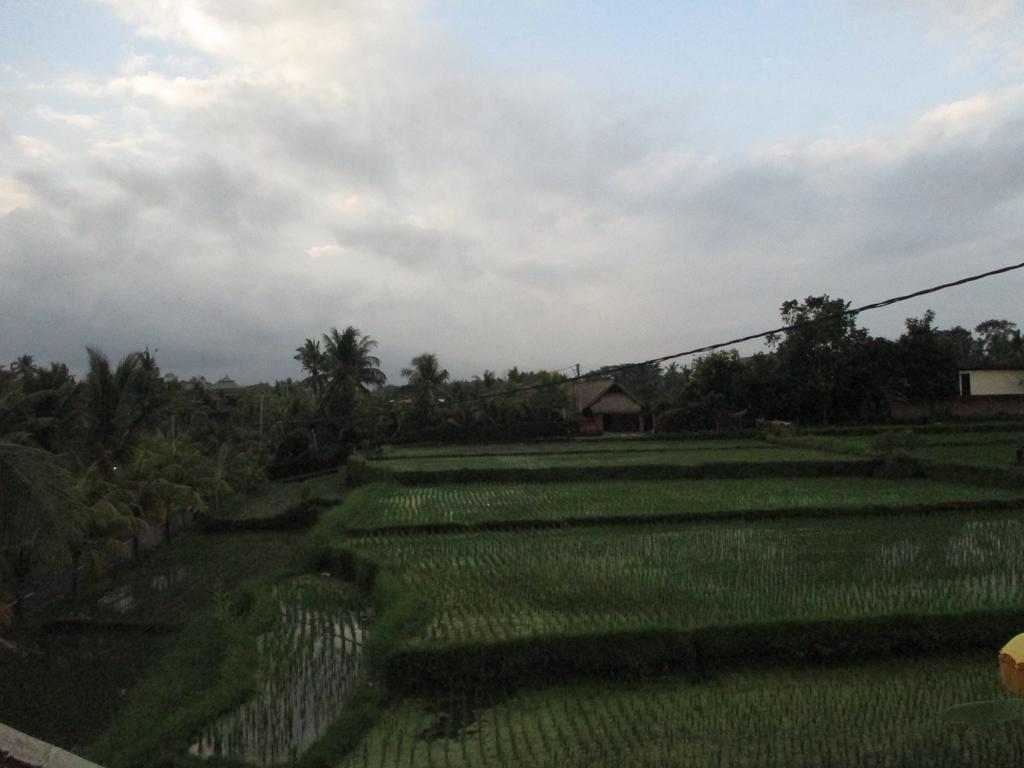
701, 652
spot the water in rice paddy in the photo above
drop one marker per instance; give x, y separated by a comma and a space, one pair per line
311, 663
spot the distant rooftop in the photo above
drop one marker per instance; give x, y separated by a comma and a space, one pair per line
225, 383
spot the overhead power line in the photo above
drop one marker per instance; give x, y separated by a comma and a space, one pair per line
760, 335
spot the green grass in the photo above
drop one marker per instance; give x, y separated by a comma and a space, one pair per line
985, 449
502, 586
274, 498
966, 438
68, 686
690, 455
176, 580
1002, 454
383, 505
877, 715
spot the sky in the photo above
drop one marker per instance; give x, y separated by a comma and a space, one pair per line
530, 183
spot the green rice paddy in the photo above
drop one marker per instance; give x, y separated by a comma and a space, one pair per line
878, 715
984, 449
380, 506
690, 455
622, 445
988, 454
502, 586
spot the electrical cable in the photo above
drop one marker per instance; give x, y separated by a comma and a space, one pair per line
753, 336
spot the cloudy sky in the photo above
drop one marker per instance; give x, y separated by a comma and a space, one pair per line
501, 182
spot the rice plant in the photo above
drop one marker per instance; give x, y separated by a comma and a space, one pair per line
500, 586
883, 715
474, 503
683, 455
570, 447
309, 662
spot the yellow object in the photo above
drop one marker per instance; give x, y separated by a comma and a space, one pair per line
1011, 665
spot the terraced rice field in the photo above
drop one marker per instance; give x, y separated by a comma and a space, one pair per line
685, 454
502, 586
310, 661
985, 449
878, 715
379, 506
583, 445
995, 449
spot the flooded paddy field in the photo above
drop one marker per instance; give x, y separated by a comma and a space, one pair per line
70, 671
310, 661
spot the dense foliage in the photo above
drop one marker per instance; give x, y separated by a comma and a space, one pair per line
86, 464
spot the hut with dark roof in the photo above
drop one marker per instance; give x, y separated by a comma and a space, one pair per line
604, 405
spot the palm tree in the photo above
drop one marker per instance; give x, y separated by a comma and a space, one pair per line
349, 363
427, 378
23, 367
96, 538
166, 476
311, 358
34, 502
121, 400
426, 375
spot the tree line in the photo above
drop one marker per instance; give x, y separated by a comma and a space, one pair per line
825, 370
86, 463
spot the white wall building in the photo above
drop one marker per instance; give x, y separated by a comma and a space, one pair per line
991, 382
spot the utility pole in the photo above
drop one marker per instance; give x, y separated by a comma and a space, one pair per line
261, 421
576, 391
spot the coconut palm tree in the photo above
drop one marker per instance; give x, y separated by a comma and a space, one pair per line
350, 369
311, 358
34, 503
427, 379
121, 400
426, 375
97, 532
349, 362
